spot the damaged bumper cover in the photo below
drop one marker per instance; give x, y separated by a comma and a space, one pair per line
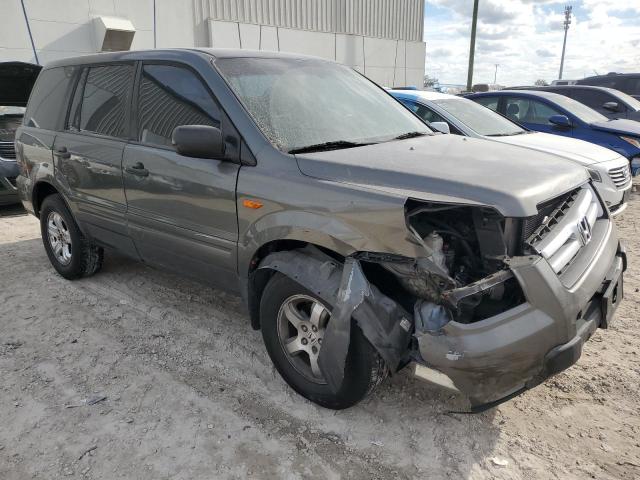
497, 358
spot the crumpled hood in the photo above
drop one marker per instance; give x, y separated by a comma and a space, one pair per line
450, 168
584, 153
622, 126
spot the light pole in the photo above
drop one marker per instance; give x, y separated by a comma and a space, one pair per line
567, 22
495, 75
472, 46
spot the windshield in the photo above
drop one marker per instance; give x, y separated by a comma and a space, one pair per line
480, 119
584, 113
298, 103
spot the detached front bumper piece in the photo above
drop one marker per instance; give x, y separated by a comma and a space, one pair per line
494, 359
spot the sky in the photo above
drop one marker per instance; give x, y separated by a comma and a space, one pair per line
525, 38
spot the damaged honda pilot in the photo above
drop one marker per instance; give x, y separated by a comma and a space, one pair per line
361, 241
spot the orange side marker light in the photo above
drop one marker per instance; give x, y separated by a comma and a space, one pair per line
254, 204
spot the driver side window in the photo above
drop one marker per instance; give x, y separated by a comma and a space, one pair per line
529, 111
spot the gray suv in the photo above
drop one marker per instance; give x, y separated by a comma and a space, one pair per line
361, 241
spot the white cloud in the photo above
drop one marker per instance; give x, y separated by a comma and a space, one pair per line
525, 38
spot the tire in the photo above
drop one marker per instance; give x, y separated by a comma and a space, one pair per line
71, 254
364, 368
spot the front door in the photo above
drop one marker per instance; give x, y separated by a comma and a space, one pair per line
534, 115
181, 210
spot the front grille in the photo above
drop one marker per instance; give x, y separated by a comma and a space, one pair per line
12, 181
567, 229
7, 150
621, 176
531, 224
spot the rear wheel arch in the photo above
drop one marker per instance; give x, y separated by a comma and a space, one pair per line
42, 190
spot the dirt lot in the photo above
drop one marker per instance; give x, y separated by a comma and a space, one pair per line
191, 394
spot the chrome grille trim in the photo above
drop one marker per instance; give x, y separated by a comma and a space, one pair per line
567, 229
621, 176
7, 151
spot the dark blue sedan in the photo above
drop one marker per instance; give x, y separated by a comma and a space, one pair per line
560, 115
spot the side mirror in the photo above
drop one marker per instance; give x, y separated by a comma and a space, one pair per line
442, 127
200, 141
611, 106
560, 121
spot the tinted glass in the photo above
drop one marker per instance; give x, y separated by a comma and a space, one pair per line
593, 98
105, 99
299, 103
631, 86
47, 104
478, 118
489, 102
171, 96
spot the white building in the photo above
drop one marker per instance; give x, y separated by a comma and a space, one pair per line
381, 38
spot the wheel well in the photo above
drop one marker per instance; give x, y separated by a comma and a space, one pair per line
41, 191
258, 278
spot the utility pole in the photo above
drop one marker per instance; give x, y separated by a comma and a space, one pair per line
472, 47
495, 75
567, 22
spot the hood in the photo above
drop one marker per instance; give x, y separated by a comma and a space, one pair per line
579, 151
621, 126
450, 168
16, 82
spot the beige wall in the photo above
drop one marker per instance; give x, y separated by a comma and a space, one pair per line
368, 35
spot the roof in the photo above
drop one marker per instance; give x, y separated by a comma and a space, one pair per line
176, 53
551, 88
533, 93
423, 94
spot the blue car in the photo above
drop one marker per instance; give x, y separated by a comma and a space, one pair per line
560, 115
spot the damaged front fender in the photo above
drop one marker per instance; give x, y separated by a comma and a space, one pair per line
384, 323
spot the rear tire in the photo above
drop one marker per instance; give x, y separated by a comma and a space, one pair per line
364, 368
71, 254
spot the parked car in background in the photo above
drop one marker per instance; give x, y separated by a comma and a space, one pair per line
608, 169
560, 115
607, 101
628, 83
563, 82
361, 242
16, 82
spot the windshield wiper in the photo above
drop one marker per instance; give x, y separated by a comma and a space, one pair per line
323, 147
510, 134
410, 135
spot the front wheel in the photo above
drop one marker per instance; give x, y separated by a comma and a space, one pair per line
293, 322
70, 253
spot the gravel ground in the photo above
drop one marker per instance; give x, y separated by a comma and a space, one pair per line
139, 374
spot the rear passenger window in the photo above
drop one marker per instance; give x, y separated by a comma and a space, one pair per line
47, 104
171, 96
101, 99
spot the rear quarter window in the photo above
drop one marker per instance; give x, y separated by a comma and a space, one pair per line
47, 105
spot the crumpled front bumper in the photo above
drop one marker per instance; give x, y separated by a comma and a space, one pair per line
497, 358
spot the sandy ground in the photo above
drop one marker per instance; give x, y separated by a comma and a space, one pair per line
191, 394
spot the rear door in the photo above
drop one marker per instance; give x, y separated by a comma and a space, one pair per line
89, 151
181, 210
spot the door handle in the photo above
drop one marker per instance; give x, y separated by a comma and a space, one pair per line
62, 152
137, 169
